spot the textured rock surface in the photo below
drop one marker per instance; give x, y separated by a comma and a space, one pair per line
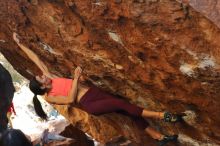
151, 52
210, 8
79, 137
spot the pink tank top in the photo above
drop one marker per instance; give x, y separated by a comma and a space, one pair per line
60, 87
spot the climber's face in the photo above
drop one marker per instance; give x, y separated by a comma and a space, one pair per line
44, 80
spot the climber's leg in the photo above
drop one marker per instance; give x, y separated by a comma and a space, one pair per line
153, 133
97, 102
103, 103
166, 116
152, 114
116, 105
162, 139
109, 105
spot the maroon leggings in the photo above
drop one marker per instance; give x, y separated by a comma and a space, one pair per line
97, 102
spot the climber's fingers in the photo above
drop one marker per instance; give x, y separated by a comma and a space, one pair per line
15, 37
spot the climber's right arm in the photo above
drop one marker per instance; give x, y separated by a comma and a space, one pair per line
31, 55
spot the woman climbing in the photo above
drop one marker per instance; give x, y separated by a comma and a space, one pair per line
91, 99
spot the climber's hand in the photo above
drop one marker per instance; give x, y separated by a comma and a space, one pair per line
15, 37
77, 72
82, 78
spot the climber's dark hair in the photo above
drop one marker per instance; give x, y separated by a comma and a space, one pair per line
14, 137
35, 87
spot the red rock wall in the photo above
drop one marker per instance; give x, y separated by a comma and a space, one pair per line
210, 8
154, 53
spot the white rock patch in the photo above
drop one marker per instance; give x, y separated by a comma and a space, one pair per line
207, 61
188, 141
190, 117
187, 69
115, 37
48, 48
204, 61
3, 41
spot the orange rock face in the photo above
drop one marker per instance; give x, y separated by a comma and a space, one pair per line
210, 9
159, 55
